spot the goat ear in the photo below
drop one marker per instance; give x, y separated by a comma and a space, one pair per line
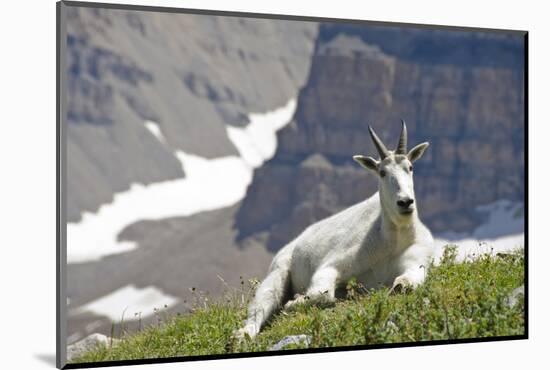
417, 152
367, 162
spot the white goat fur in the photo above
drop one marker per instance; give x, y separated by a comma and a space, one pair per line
372, 241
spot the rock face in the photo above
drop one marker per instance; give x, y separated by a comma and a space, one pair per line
191, 74
463, 92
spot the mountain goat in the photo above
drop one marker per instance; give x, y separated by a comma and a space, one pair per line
378, 241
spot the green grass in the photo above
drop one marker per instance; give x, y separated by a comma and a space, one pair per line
458, 300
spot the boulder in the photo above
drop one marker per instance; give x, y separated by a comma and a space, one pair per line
291, 339
88, 343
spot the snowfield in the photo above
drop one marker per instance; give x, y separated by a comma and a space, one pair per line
95, 236
126, 302
257, 142
503, 231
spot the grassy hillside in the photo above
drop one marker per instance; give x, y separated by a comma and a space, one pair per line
459, 300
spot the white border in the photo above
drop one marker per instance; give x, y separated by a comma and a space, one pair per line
28, 182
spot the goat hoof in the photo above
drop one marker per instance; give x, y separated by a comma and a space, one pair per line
401, 285
298, 299
241, 335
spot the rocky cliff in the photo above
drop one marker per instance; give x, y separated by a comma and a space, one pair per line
190, 74
462, 91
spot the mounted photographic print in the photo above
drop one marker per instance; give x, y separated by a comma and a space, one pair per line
234, 184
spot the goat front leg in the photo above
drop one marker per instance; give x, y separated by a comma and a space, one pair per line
321, 290
408, 281
414, 274
402, 284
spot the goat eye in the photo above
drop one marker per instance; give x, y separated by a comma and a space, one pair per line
411, 168
382, 173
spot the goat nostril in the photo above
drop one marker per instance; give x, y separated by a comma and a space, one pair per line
405, 203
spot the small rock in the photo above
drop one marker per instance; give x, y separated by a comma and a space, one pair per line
426, 301
514, 297
290, 339
390, 325
86, 344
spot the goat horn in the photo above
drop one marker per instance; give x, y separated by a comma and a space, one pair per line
382, 150
402, 145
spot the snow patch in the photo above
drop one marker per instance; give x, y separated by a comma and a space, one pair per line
125, 302
209, 184
503, 231
154, 128
504, 218
469, 247
257, 141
